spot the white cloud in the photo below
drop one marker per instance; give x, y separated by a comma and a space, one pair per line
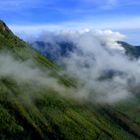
98, 56
99, 53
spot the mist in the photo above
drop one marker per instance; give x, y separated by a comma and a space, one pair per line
27, 74
103, 71
99, 65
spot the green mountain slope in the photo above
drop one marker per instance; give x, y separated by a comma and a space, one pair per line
43, 114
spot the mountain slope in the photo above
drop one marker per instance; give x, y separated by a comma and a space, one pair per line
27, 112
61, 49
132, 51
54, 51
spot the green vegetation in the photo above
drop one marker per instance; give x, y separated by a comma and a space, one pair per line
43, 114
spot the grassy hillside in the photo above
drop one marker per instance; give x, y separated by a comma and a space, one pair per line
43, 114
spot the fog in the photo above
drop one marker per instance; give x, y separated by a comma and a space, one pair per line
27, 73
102, 70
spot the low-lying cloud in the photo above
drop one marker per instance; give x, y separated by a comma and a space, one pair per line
100, 65
27, 73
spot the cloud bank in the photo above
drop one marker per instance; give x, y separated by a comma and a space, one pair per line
103, 71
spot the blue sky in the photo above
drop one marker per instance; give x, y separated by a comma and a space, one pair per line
118, 15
